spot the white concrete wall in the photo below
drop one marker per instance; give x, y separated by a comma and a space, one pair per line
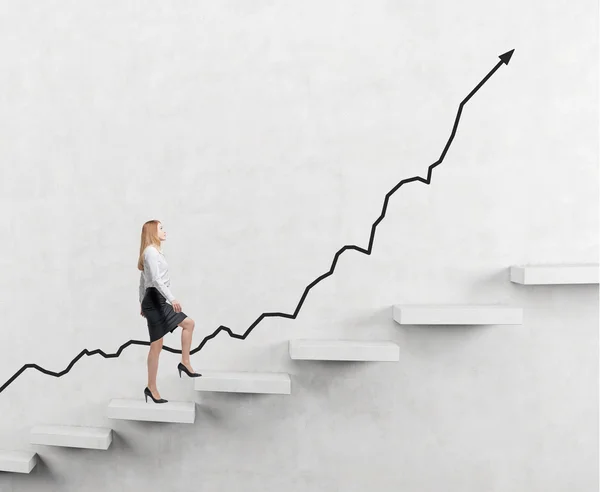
264, 136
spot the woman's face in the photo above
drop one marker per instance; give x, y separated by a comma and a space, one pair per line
162, 235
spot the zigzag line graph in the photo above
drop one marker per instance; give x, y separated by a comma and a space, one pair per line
504, 59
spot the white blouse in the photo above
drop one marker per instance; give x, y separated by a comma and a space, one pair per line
155, 273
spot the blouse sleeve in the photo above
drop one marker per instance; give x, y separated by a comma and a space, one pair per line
142, 288
151, 263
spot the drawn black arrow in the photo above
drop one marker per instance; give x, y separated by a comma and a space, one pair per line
504, 59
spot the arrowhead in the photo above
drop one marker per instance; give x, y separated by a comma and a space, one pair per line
506, 56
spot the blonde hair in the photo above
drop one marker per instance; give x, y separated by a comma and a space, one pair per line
149, 238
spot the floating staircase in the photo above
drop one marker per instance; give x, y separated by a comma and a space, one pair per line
182, 412
71, 436
300, 349
17, 461
555, 274
244, 382
458, 314
356, 350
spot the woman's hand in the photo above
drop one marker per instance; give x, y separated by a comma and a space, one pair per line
176, 305
142, 311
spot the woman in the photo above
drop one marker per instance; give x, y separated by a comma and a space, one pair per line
160, 308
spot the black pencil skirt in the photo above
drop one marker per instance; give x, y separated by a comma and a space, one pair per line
160, 315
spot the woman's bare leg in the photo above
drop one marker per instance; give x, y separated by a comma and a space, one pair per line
187, 326
153, 354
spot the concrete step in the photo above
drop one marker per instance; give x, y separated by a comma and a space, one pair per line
17, 461
457, 314
358, 350
183, 412
71, 436
555, 274
244, 382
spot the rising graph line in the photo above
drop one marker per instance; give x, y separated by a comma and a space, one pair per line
504, 59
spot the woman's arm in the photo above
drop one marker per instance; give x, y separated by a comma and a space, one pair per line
142, 289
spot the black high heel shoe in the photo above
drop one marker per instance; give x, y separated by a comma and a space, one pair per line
181, 367
148, 393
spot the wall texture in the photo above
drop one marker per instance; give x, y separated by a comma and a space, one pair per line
265, 136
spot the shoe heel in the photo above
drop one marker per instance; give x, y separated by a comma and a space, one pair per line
179, 372
146, 397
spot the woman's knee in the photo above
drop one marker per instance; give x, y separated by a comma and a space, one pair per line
187, 323
156, 346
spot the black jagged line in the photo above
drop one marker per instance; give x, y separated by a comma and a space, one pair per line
504, 59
